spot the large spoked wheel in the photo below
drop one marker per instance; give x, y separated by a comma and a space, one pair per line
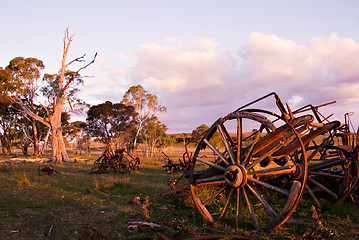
257, 178
332, 175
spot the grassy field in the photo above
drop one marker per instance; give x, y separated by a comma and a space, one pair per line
75, 204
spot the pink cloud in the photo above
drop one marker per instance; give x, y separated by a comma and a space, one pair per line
338, 56
120, 56
199, 81
175, 69
323, 61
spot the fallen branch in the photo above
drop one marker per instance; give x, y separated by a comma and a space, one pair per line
135, 226
50, 230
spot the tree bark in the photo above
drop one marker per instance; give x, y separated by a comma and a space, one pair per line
4, 147
25, 147
59, 152
137, 133
35, 138
45, 142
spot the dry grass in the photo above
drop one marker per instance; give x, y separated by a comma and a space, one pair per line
74, 202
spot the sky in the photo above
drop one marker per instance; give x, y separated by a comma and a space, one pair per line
203, 58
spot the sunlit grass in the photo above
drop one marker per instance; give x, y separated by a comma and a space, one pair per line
76, 201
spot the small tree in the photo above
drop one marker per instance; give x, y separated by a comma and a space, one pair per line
7, 117
76, 132
108, 122
152, 135
145, 104
8, 120
215, 140
26, 71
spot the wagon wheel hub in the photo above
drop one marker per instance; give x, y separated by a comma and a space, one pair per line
235, 176
299, 171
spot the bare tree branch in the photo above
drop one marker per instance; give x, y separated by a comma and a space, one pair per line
28, 111
43, 107
77, 72
24, 132
79, 59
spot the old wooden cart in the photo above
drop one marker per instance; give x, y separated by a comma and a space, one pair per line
259, 174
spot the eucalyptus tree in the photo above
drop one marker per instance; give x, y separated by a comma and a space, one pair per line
7, 85
200, 130
76, 133
8, 126
60, 89
27, 72
110, 121
145, 104
153, 135
7, 119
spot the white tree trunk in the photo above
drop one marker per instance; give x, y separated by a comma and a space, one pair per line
58, 146
45, 142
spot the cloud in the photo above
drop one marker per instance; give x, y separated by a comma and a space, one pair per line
325, 65
201, 80
114, 75
176, 69
295, 101
274, 60
337, 57
120, 56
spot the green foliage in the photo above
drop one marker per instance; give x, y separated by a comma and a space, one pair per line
199, 130
215, 140
107, 121
9, 119
145, 104
74, 128
25, 76
26, 72
153, 134
52, 88
7, 85
153, 128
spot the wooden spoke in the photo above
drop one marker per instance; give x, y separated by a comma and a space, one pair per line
228, 202
239, 140
334, 172
214, 195
210, 164
323, 188
249, 154
269, 186
311, 193
209, 181
317, 149
326, 175
215, 150
227, 145
230, 139
238, 170
251, 209
239, 206
263, 201
283, 170
324, 164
